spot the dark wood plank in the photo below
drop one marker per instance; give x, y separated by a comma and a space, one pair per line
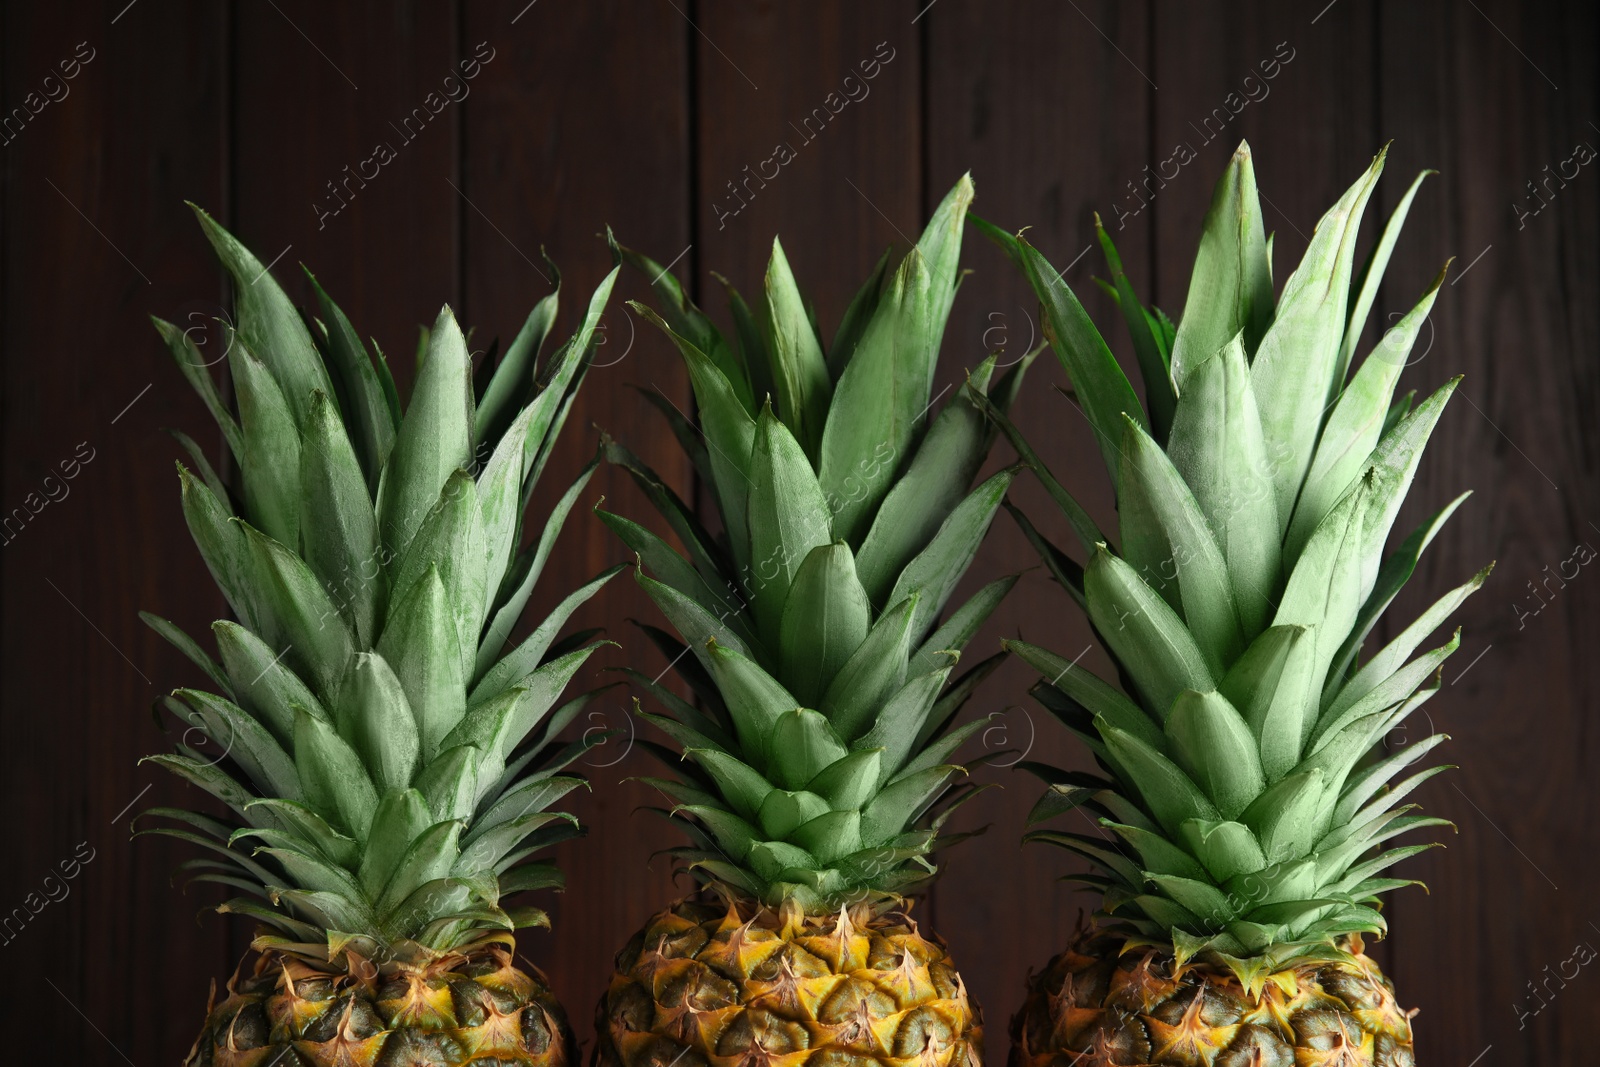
97, 238
1513, 893
322, 91
796, 140
582, 121
1299, 91
1046, 105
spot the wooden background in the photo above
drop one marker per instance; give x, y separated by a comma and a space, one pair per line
638, 115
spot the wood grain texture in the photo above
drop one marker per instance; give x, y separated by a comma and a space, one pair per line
1289, 87
1514, 892
89, 254
788, 82
320, 90
641, 116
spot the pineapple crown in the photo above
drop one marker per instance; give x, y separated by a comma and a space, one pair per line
388, 772
817, 770
1244, 779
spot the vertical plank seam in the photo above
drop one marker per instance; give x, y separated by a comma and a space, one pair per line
924, 133
9, 35
228, 113
692, 112
1564, 294
459, 163
698, 491
1152, 245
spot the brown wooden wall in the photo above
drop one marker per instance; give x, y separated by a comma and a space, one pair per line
639, 115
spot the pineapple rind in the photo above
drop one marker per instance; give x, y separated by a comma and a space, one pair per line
1243, 791
1100, 1003
818, 767
709, 986
388, 771
477, 1008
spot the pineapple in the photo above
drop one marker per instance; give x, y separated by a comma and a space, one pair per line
816, 776
388, 772
1244, 792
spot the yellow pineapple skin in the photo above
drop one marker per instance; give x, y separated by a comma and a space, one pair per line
739, 985
1096, 1005
477, 1008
